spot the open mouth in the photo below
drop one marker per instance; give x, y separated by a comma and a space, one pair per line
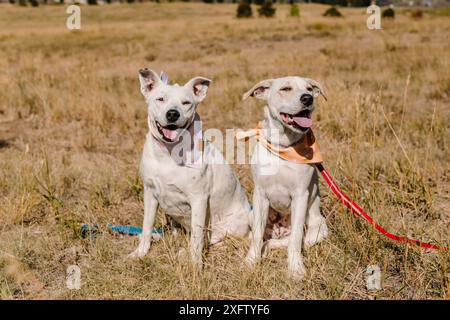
301, 120
169, 133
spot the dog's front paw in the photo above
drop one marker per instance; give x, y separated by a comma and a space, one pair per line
296, 269
315, 234
137, 254
196, 258
251, 259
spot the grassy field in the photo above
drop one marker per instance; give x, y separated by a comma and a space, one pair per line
73, 123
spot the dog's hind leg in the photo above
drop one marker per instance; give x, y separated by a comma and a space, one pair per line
316, 225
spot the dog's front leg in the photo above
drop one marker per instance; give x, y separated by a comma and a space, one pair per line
260, 214
199, 207
150, 209
299, 206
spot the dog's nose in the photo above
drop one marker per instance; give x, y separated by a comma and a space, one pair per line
172, 115
307, 99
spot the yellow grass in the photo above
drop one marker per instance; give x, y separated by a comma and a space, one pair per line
72, 126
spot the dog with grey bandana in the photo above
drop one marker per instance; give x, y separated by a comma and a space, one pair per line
203, 195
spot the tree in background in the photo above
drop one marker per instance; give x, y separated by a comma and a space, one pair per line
244, 10
294, 10
267, 10
388, 13
332, 12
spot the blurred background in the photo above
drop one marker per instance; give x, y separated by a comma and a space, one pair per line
73, 123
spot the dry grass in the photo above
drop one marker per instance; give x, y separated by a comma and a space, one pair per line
72, 125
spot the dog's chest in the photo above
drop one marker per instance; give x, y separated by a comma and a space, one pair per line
280, 180
172, 197
172, 185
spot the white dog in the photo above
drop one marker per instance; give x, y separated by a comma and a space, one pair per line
208, 196
293, 189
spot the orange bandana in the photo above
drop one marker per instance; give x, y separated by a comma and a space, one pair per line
305, 151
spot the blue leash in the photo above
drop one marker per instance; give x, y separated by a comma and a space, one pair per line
91, 230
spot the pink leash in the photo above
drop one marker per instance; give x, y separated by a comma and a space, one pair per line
360, 213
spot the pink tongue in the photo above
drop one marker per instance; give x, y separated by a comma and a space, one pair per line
303, 121
169, 134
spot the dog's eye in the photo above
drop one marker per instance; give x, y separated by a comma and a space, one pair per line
286, 89
160, 99
185, 103
310, 89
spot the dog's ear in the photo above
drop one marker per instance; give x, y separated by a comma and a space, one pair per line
199, 87
317, 88
259, 90
149, 80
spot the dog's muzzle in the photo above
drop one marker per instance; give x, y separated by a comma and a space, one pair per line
301, 120
171, 132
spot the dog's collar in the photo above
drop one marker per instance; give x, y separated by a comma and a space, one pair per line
304, 151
